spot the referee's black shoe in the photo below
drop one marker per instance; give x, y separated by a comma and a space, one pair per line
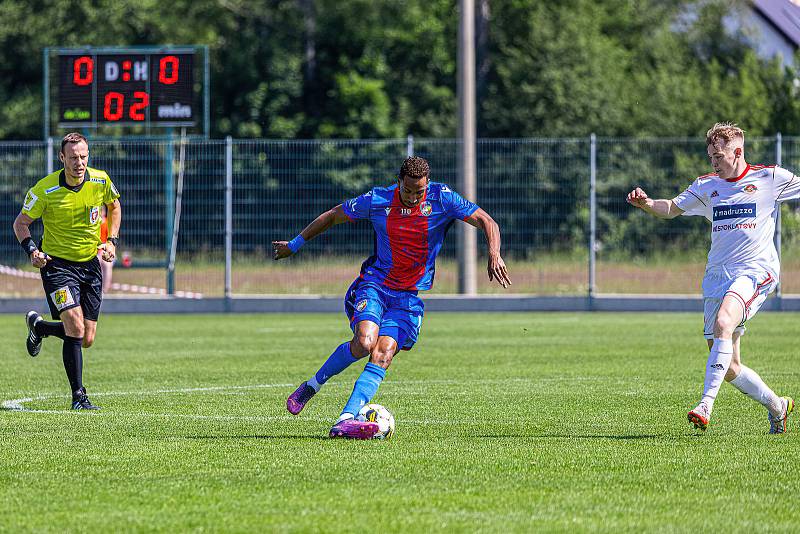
34, 341
81, 402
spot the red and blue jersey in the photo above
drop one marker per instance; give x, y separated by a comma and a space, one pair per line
407, 240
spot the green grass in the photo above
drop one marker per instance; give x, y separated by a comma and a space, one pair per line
505, 423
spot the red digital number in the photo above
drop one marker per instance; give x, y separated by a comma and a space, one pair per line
79, 78
117, 100
142, 101
163, 64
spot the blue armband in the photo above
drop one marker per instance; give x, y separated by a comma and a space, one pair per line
295, 244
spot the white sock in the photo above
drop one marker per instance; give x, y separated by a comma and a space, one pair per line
313, 383
345, 417
719, 359
749, 383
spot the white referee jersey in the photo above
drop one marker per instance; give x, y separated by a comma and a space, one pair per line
742, 212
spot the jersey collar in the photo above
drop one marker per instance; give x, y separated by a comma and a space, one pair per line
62, 181
746, 170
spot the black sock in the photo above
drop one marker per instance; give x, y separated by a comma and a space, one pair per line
50, 328
73, 361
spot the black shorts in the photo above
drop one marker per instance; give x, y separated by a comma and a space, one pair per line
68, 284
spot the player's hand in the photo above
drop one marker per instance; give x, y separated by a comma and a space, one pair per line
109, 251
280, 250
638, 198
39, 259
497, 270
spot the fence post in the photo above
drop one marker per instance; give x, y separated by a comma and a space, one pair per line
409, 145
228, 219
778, 158
169, 208
49, 162
592, 218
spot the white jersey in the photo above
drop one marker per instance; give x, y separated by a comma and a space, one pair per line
742, 212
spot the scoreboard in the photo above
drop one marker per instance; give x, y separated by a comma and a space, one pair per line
150, 87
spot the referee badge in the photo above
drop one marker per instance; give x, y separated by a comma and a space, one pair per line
62, 298
361, 305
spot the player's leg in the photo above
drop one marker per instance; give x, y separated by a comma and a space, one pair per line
727, 319
364, 389
399, 330
56, 282
748, 381
364, 307
349, 352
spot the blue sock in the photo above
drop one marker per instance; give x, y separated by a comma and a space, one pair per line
335, 364
365, 388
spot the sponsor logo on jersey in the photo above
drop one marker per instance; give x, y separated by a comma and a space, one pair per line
52, 189
405, 211
715, 194
97, 180
62, 298
30, 200
750, 188
734, 211
361, 305
94, 214
425, 208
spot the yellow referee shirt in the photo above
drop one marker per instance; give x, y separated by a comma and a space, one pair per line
71, 218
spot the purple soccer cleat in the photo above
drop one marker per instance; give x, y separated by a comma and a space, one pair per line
350, 428
297, 400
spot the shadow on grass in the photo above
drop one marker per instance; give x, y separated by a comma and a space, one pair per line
254, 436
575, 436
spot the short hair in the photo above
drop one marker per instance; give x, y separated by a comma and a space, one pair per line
724, 131
73, 137
415, 167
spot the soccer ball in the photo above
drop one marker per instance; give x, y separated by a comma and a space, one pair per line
380, 415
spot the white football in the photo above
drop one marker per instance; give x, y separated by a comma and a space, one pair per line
379, 414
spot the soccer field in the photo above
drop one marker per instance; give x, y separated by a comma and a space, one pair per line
505, 422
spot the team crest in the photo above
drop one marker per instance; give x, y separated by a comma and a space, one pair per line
94, 214
750, 188
362, 304
62, 298
715, 194
425, 208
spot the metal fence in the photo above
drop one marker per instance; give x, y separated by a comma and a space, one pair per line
199, 215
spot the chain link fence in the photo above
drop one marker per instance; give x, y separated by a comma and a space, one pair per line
180, 196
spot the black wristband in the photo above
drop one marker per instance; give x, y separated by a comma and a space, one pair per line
28, 246
113, 240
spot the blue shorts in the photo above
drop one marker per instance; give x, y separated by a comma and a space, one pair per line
397, 313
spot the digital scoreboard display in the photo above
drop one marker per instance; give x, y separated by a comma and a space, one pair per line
155, 89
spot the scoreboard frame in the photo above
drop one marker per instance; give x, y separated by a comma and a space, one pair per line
130, 68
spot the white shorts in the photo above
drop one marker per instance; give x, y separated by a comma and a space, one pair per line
750, 289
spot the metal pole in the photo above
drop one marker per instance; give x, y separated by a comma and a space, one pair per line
206, 94
409, 145
592, 218
228, 218
49, 161
46, 90
467, 239
778, 161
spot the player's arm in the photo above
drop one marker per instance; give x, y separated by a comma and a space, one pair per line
661, 208
23, 232
496, 267
332, 217
114, 220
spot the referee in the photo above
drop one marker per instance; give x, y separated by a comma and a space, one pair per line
69, 203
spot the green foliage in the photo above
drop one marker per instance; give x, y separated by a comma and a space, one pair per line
364, 69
